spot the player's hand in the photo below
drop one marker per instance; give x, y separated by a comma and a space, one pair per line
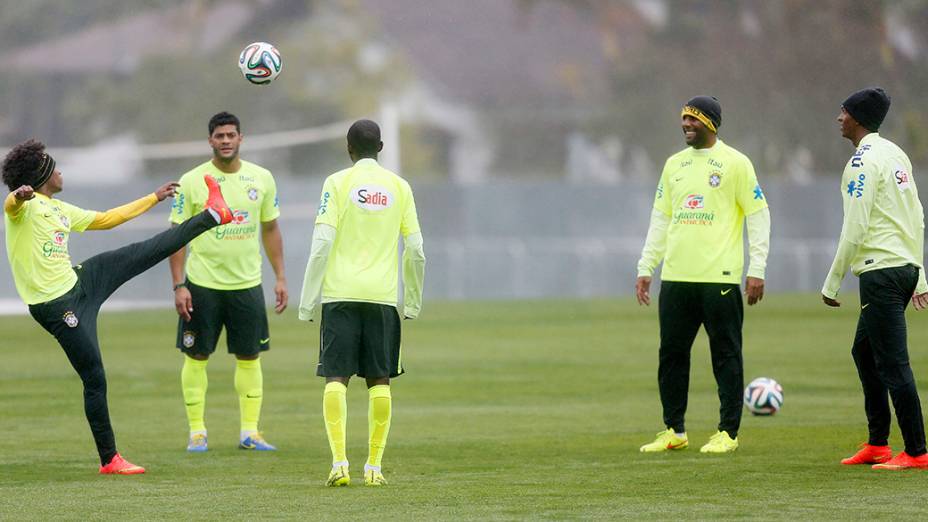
920, 301
167, 190
280, 291
24, 193
643, 290
183, 302
754, 290
830, 302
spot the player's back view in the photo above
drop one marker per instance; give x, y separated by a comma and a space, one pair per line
352, 271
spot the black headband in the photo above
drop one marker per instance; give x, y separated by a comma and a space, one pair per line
44, 171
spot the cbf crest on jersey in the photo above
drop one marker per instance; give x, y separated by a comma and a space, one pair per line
715, 179
70, 319
372, 197
252, 193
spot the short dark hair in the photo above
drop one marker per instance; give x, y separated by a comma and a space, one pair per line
224, 118
364, 137
22, 162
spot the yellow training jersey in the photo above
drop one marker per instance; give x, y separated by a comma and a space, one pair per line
228, 257
883, 217
706, 193
370, 207
37, 247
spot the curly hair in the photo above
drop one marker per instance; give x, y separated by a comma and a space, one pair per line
21, 163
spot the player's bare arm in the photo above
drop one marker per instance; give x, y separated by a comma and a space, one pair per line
183, 302
274, 248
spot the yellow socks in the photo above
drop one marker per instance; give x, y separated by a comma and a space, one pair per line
193, 381
249, 383
335, 413
378, 421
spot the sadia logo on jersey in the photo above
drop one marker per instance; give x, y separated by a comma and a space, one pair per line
903, 179
372, 197
693, 201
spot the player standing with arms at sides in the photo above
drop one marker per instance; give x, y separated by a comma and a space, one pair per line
221, 282
705, 194
353, 269
882, 242
66, 301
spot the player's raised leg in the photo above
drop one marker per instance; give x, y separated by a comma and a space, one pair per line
108, 271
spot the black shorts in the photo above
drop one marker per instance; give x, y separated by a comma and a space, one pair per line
360, 339
242, 312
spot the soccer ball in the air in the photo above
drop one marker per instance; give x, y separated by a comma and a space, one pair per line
763, 396
260, 63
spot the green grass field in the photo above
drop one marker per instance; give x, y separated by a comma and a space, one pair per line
509, 410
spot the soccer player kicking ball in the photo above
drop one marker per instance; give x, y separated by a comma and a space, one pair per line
66, 300
882, 242
352, 268
705, 194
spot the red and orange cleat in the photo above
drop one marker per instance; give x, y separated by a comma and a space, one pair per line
904, 461
121, 466
869, 455
215, 201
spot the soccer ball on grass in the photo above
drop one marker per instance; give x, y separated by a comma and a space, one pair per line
764, 396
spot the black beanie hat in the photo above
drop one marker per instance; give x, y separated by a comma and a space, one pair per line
868, 107
708, 107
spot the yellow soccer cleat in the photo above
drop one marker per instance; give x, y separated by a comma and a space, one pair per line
373, 476
720, 443
666, 441
339, 475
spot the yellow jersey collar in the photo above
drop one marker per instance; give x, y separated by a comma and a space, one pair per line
366, 162
711, 149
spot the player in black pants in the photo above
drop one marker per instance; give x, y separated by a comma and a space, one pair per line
66, 300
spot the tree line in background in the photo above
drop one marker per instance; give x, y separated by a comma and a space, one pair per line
780, 68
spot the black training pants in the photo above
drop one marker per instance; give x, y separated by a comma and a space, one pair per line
682, 308
72, 318
882, 356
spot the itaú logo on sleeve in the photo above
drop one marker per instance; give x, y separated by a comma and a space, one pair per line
371, 197
693, 201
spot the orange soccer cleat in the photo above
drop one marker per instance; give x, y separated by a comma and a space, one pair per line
904, 461
215, 201
121, 466
869, 455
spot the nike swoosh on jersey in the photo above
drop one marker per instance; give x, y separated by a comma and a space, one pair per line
725, 292
864, 306
264, 341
